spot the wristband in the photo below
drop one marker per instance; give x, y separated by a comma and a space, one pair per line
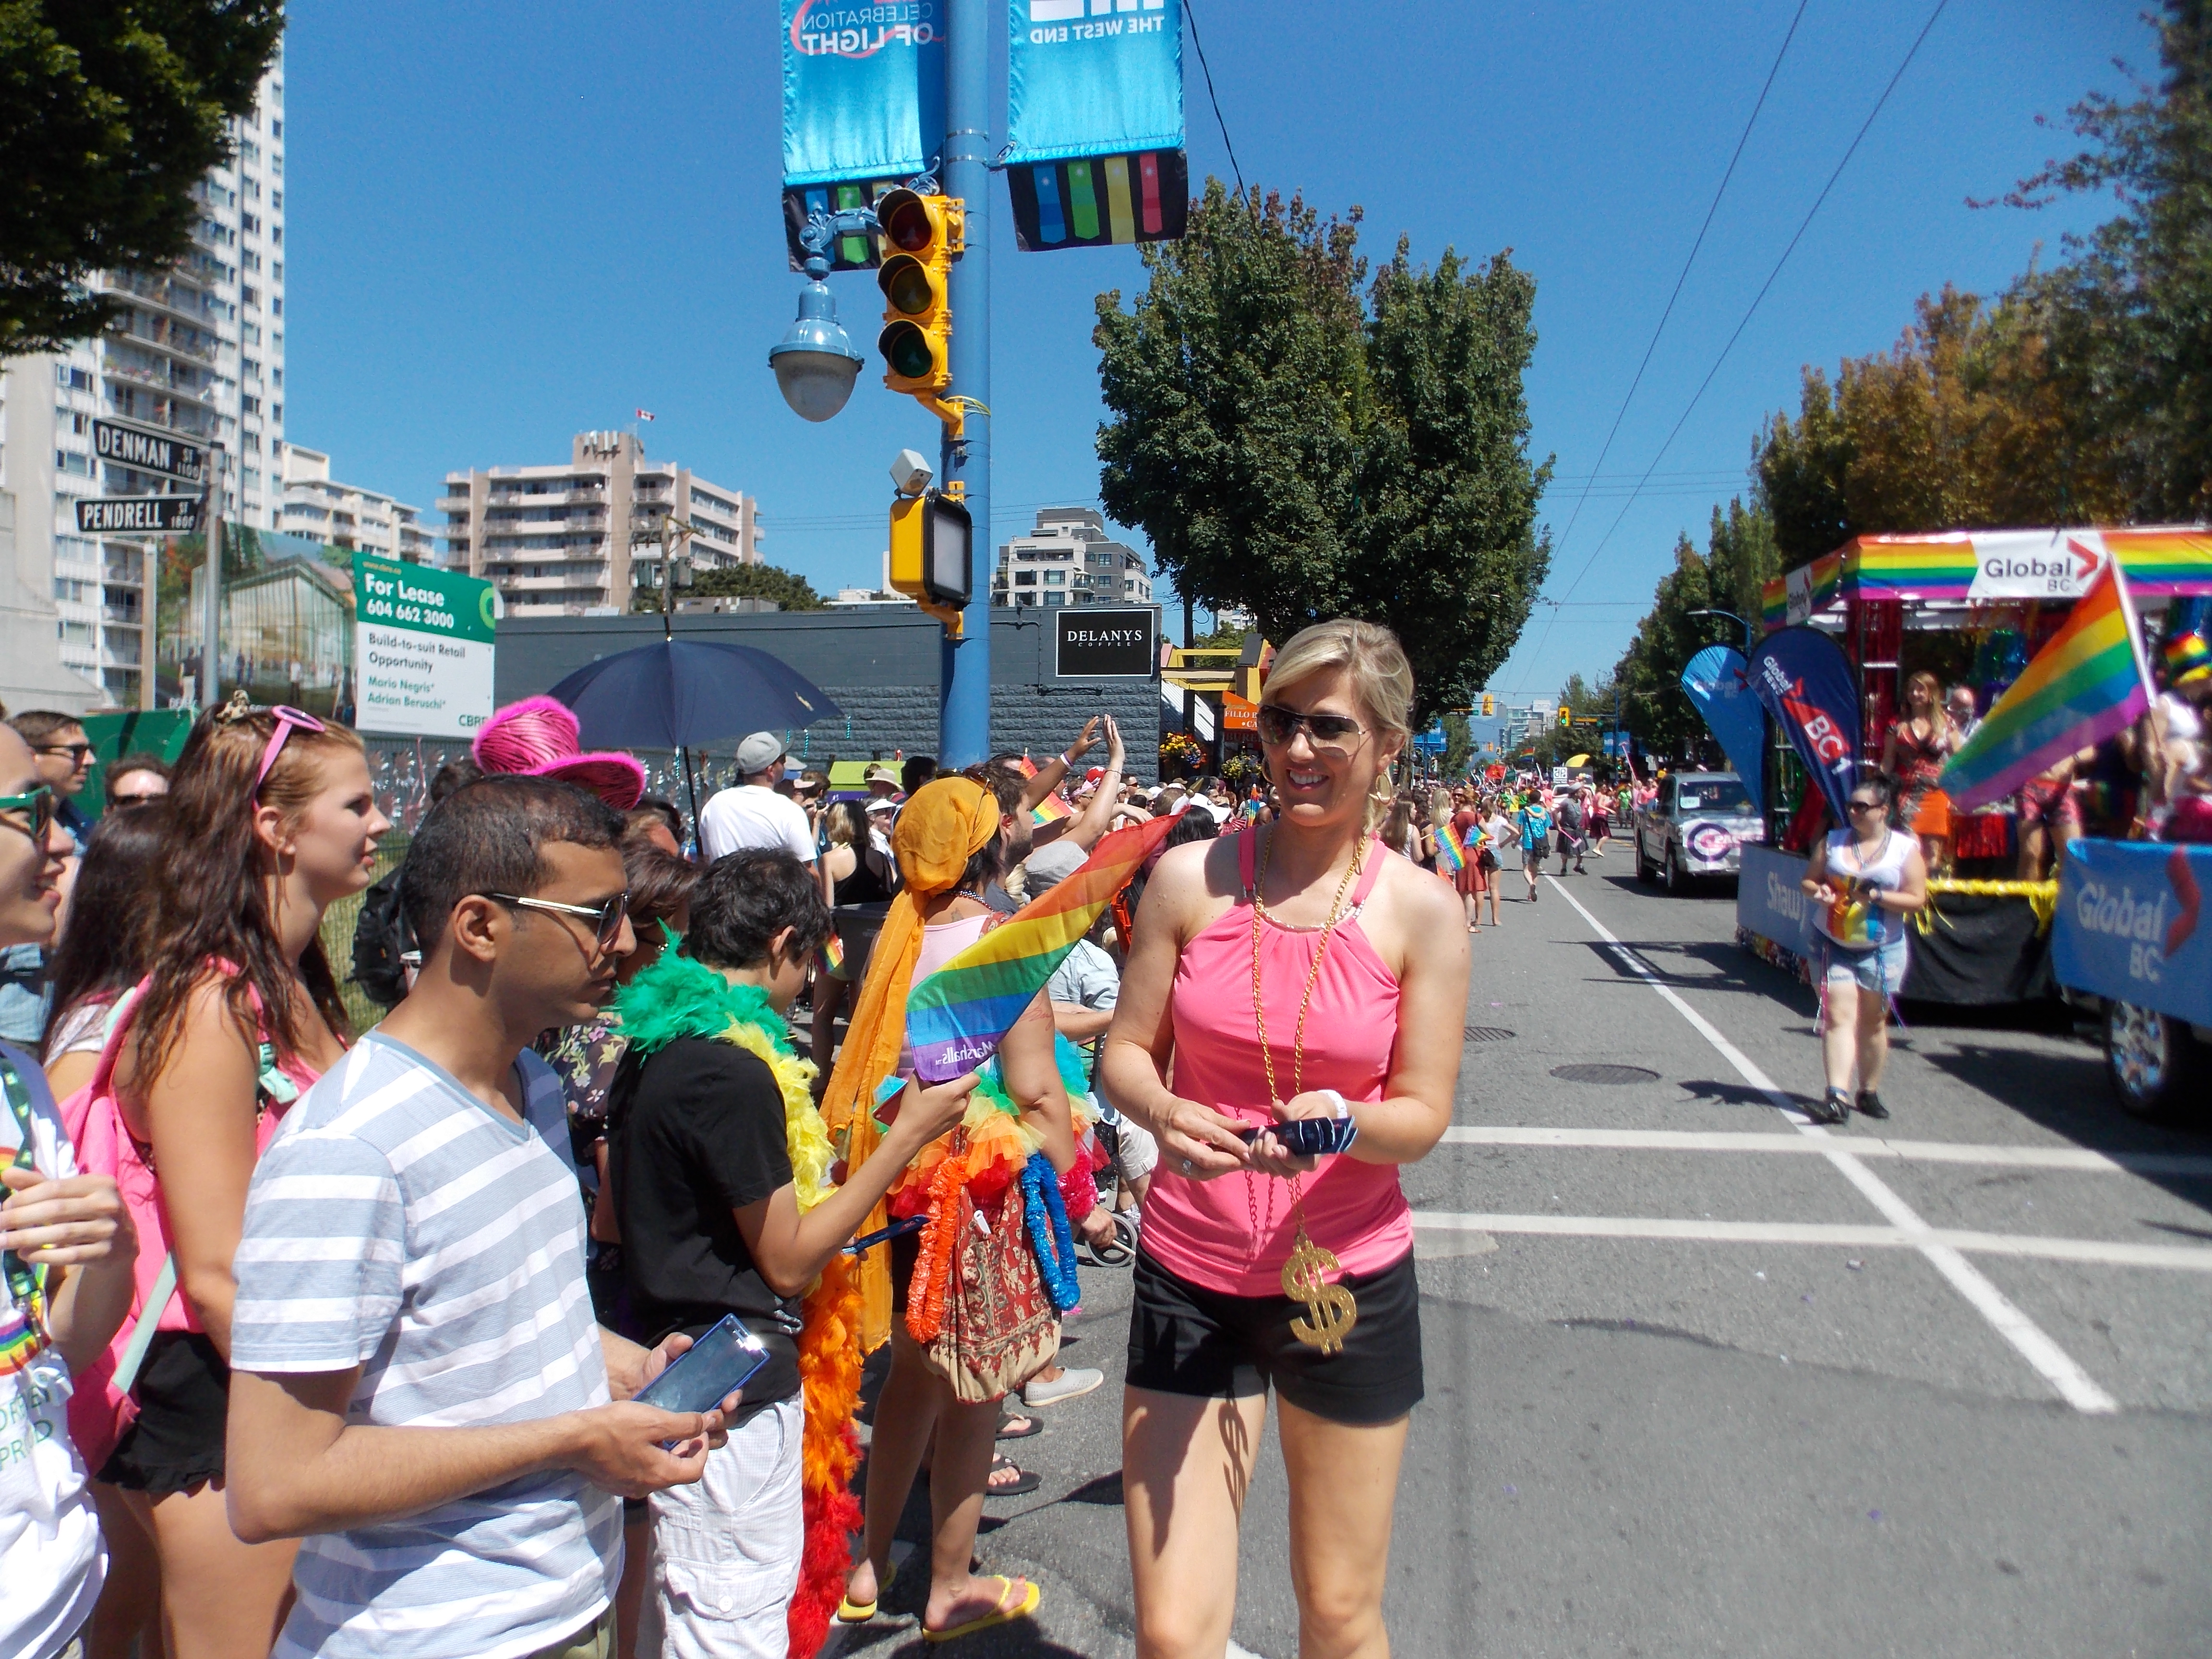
1066, 761
1343, 1107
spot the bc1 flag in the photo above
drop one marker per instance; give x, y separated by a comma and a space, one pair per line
1807, 685
1715, 681
863, 109
1094, 122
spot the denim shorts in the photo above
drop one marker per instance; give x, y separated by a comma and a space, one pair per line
1878, 969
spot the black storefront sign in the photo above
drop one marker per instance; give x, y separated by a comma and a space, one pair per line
1092, 643
149, 452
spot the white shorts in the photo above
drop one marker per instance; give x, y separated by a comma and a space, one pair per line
1137, 1150
725, 1554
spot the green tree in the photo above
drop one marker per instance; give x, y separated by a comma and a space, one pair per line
112, 113
1458, 745
745, 582
1295, 450
1653, 704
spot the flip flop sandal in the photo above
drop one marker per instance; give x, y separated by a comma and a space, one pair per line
1001, 1615
1026, 1480
1007, 1431
850, 1612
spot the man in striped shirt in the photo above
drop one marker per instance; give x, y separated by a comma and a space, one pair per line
419, 1389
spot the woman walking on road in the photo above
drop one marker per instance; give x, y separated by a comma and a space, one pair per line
1866, 879
1289, 973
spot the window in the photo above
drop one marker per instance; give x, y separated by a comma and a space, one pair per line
1055, 577
250, 295
276, 379
1055, 599
276, 234
254, 442
275, 129
248, 150
249, 260
276, 200
1025, 578
247, 222
251, 368
277, 305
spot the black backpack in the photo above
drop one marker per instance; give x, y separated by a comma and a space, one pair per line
383, 948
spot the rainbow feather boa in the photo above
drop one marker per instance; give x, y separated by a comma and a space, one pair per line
677, 997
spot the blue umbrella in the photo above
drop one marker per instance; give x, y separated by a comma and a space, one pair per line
683, 693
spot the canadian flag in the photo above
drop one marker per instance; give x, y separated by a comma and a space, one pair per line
645, 415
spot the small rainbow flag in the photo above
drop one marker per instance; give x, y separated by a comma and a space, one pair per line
833, 953
2088, 683
1449, 848
954, 1017
1051, 810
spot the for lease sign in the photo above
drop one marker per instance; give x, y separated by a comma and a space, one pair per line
423, 648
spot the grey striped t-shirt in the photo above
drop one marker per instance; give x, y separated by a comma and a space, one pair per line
398, 1224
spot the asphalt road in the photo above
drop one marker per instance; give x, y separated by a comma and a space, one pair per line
1704, 1379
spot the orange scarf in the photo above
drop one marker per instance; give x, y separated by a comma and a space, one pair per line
943, 826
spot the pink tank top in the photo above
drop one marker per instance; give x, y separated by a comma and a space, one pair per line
1204, 1231
941, 941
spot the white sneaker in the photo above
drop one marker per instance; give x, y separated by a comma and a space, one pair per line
1074, 1380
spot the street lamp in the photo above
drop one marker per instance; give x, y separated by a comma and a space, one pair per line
1732, 618
814, 363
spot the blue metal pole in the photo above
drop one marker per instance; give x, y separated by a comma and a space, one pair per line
965, 675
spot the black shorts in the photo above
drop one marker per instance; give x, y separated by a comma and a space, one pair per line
184, 1396
1184, 1339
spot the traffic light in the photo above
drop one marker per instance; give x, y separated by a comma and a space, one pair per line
922, 234
1488, 706
932, 537
1566, 717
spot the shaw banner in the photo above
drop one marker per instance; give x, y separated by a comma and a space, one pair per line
863, 110
1807, 684
1715, 681
1094, 122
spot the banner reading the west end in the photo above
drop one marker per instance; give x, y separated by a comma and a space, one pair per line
863, 109
1094, 122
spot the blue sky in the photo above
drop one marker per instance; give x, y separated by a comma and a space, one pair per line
511, 222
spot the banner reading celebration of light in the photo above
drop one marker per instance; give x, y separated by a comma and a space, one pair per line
863, 110
1094, 123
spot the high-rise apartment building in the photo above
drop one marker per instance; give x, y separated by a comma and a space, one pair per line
197, 351
581, 538
1068, 559
346, 515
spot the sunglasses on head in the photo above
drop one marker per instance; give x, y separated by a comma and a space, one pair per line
287, 720
606, 916
1334, 732
40, 804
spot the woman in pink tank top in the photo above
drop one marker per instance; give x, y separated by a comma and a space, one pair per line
1257, 1268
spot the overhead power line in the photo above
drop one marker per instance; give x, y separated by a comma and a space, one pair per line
1191, 12
1752, 310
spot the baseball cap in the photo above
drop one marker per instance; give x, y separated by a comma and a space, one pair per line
1054, 863
758, 752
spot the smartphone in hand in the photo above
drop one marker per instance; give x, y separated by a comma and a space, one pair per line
1308, 1137
715, 1366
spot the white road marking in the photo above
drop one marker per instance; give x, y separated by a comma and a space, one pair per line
2098, 1252
2052, 1363
2080, 1158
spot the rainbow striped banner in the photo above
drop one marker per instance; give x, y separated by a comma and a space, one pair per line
1998, 565
1450, 849
954, 1017
2088, 682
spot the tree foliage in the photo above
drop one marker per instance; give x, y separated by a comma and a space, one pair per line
1299, 449
744, 581
1740, 555
112, 113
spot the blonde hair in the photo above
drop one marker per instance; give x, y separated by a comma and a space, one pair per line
1369, 653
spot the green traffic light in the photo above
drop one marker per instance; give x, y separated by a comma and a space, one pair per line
907, 351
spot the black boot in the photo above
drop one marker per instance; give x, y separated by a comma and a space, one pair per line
1870, 1104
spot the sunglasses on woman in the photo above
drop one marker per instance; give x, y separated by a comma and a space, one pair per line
42, 806
1332, 734
287, 720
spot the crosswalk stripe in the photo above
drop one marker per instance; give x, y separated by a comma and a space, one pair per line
2081, 1158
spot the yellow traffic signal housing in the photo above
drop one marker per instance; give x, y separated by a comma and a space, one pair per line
1489, 705
932, 539
1566, 717
922, 235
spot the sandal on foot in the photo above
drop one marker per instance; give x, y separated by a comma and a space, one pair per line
1024, 1481
850, 1612
1030, 1425
1022, 1606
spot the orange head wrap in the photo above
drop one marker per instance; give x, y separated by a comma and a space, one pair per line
943, 825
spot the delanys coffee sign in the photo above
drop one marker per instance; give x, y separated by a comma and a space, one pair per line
1091, 642
135, 446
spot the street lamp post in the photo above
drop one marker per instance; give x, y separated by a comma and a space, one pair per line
1732, 617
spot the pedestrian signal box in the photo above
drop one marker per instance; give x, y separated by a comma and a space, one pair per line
922, 235
932, 538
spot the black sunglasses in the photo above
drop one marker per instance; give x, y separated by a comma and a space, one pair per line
1336, 732
607, 915
1865, 806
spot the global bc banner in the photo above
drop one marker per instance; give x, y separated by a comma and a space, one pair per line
2130, 925
1094, 122
1806, 683
863, 109
423, 648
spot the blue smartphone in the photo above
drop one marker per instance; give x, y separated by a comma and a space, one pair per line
713, 1368
1308, 1137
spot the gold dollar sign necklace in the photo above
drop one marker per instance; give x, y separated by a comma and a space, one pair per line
1331, 1309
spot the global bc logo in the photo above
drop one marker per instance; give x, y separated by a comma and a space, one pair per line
824, 28
2117, 913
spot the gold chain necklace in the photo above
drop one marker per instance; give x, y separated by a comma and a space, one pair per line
1330, 1308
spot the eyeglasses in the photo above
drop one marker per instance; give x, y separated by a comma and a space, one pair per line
606, 916
287, 719
138, 800
1865, 806
76, 751
42, 806
1335, 734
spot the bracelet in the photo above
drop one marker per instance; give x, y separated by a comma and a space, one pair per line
1066, 761
1343, 1107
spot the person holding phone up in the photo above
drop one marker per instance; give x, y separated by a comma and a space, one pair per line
715, 1222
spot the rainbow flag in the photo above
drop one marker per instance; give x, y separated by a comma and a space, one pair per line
954, 1017
2088, 682
1050, 810
833, 953
1449, 848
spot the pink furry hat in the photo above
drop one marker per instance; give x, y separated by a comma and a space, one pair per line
539, 737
